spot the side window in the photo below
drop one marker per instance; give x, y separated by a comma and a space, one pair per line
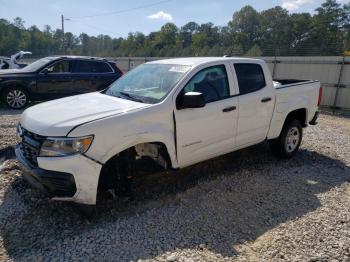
250, 77
212, 82
102, 67
82, 66
60, 67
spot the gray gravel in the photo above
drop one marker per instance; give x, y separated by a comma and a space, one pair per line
245, 206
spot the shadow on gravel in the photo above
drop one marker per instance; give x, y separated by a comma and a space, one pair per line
6, 154
221, 203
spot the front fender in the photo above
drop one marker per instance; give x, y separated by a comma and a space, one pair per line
136, 139
12, 83
115, 134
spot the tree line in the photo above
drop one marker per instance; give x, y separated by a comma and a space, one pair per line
271, 32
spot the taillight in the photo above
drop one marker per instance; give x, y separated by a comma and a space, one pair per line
320, 94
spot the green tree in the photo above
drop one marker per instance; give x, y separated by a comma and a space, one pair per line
246, 22
270, 32
329, 24
275, 31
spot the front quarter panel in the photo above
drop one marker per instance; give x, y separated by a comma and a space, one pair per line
117, 133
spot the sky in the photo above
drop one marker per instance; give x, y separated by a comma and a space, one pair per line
118, 18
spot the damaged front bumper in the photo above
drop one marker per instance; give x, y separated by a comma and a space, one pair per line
51, 183
70, 178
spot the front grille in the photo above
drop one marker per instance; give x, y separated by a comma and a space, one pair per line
30, 146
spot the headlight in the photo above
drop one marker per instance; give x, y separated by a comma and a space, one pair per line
65, 146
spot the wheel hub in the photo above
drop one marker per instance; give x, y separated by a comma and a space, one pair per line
292, 139
16, 98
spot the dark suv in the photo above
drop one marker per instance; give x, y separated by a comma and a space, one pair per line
55, 77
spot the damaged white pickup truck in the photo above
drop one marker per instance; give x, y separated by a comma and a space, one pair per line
174, 113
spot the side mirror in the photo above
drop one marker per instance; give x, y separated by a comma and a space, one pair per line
45, 71
193, 100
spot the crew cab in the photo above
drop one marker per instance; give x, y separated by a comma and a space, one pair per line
171, 113
55, 77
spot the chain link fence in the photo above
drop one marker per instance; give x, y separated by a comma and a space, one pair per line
332, 71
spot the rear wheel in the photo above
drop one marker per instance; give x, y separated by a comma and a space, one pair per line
15, 97
288, 143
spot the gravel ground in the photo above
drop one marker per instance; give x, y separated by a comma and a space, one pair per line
245, 206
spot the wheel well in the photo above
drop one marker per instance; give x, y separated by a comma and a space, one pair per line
299, 114
148, 154
7, 86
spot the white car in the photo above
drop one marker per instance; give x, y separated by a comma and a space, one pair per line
173, 113
13, 61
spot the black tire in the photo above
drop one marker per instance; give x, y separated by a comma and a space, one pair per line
288, 143
15, 97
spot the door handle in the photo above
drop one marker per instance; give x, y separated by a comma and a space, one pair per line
266, 99
228, 109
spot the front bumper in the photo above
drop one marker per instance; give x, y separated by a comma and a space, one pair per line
51, 183
71, 178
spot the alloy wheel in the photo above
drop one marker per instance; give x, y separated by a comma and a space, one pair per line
16, 98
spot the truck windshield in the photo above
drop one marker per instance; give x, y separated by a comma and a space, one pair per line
33, 67
148, 83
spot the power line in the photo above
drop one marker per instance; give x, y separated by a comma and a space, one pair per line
101, 30
121, 11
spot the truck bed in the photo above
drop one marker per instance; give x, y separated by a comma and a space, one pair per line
291, 82
303, 95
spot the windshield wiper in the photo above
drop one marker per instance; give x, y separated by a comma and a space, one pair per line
131, 97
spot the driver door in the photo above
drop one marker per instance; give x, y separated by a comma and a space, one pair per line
203, 133
57, 82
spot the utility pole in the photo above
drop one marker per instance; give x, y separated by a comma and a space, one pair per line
63, 42
63, 38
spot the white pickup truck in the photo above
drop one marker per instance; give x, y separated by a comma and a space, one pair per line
173, 113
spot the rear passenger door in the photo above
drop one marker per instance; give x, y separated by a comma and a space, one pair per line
91, 76
256, 102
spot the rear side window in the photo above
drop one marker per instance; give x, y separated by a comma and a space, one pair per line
102, 67
92, 67
250, 77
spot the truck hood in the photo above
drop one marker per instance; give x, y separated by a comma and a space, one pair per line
58, 117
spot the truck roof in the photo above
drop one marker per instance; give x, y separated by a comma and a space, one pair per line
196, 61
